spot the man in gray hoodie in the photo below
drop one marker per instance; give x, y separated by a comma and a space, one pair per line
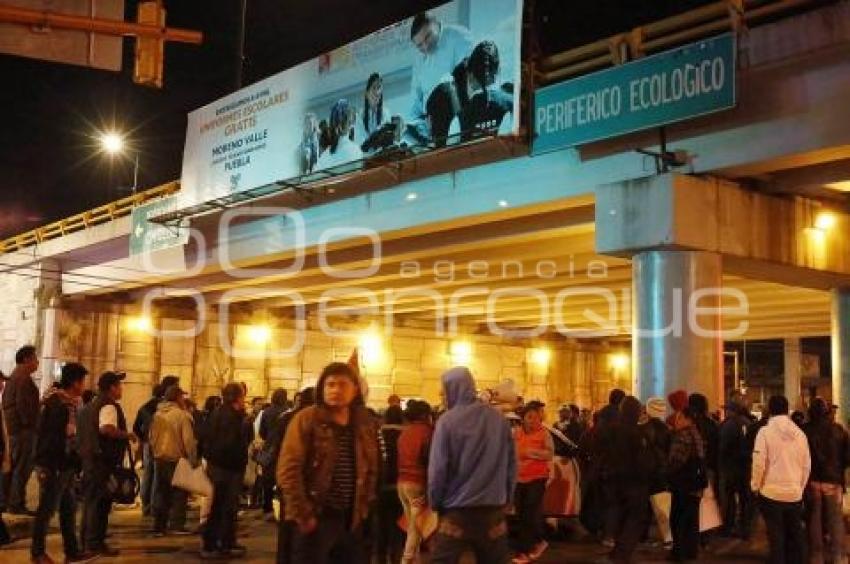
471, 475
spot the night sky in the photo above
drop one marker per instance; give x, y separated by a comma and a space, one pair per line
50, 166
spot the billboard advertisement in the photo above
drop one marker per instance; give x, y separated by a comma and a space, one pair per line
436, 78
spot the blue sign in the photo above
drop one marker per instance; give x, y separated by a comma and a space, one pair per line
672, 86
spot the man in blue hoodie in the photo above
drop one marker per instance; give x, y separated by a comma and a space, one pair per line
471, 475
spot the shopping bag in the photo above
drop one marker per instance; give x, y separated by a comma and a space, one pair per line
661, 504
709, 511
193, 480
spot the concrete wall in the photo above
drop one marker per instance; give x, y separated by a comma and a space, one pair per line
408, 363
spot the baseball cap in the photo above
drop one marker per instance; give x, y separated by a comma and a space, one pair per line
109, 379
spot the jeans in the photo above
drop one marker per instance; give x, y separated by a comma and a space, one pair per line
824, 507
412, 497
55, 491
268, 483
148, 471
168, 500
628, 504
529, 506
784, 522
684, 524
332, 542
734, 496
23, 453
220, 530
97, 505
480, 529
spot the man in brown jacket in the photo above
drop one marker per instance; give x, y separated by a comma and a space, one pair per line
20, 414
328, 469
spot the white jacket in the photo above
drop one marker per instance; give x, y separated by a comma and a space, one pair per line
781, 461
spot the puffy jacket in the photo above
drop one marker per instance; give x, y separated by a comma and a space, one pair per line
781, 461
306, 463
828, 445
473, 459
172, 434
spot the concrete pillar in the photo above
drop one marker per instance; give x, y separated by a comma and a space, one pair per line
669, 351
841, 352
792, 370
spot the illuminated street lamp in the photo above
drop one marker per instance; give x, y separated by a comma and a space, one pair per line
113, 144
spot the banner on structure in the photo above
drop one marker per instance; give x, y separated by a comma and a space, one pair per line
439, 77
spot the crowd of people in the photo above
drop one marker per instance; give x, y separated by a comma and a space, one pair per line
353, 485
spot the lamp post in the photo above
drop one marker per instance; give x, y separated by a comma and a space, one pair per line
113, 144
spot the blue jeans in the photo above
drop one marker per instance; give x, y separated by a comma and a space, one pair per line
823, 502
785, 536
97, 505
148, 470
480, 529
220, 532
56, 491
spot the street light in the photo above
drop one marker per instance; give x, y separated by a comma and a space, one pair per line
113, 144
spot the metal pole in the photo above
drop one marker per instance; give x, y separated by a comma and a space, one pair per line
240, 47
136, 173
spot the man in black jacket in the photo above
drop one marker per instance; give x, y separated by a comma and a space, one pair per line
103, 441
734, 469
4, 464
829, 446
270, 420
227, 458
20, 413
57, 462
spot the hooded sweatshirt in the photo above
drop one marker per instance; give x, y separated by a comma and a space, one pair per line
472, 461
172, 434
781, 461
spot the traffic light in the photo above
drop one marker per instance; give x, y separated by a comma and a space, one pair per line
150, 51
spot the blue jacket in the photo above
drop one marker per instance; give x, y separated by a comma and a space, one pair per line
472, 461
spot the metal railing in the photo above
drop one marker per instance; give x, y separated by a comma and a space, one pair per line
711, 19
89, 218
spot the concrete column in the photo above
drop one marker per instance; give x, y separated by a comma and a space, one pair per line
841, 352
670, 348
792, 370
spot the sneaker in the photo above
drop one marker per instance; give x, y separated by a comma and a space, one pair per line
182, 532
81, 558
235, 551
157, 534
43, 559
22, 511
107, 551
521, 559
608, 542
269, 517
210, 554
538, 550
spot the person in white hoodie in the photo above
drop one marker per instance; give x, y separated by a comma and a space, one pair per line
781, 466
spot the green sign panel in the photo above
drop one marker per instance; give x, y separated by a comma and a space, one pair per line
672, 86
146, 236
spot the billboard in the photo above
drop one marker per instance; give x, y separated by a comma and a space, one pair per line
436, 78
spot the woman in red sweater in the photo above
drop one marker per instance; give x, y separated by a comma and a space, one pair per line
535, 450
413, 446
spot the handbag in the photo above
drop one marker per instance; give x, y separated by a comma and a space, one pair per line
193, 480
123, 484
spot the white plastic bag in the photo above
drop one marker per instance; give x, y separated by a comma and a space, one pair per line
193, 480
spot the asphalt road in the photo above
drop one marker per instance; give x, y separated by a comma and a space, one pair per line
131, 535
